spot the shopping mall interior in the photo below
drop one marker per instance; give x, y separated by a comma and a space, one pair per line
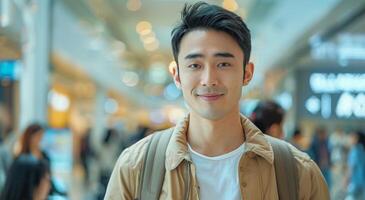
97, 76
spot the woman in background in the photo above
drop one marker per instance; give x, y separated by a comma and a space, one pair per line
356, 166
28, 178
31, 144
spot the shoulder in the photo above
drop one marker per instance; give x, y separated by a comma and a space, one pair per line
311, 181
123, 183
305, 165
299, 155
304, 162
133, 156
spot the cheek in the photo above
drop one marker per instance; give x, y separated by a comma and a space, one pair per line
36, 140
187, 83
234, 85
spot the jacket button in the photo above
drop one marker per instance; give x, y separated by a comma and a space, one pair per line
244, 184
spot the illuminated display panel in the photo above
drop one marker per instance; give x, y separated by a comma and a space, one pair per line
331, 93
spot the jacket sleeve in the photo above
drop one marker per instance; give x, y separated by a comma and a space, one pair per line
123, 180
312, 185
319, 188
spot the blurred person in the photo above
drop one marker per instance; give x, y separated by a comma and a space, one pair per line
123, 135
142, 131
339, 144
5, 122
30, 143
320, 152
86, 154
268, 116
214, 152
7, 140
356, 167
107, 156
28, 179
5, 161
297, 139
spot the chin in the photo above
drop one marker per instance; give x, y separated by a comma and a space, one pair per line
211, 115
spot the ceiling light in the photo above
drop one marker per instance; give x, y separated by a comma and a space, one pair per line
111, 106
151, 46
157, 73
145, 32
134, 5
149, 40
58, 101
230, 5
143, 26
150, 35
131, 79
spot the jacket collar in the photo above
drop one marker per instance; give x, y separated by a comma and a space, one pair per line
177, 149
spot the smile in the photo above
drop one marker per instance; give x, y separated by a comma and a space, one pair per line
210, 97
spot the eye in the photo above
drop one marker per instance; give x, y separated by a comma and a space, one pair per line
194, 66
224, 64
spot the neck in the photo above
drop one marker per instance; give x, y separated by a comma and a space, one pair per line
215, 137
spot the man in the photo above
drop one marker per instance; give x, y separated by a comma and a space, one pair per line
226, 156
320, 152
268, 116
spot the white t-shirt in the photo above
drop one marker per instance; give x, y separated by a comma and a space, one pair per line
218, 176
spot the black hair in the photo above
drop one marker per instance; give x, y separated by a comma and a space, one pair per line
202, 15
361, 138
24, 176
266, 114
27, 136
110, 134
297, 132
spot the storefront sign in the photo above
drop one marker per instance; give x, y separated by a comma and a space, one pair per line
332, 95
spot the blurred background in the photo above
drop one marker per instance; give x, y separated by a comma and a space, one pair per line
96, 75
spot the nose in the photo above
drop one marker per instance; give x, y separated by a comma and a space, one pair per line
209, 77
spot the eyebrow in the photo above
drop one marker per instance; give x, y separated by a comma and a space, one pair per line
199, 55
193, 56
224, 54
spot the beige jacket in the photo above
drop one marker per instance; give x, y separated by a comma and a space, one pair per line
256, 169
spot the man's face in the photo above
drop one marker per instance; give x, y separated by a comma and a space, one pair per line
211, 73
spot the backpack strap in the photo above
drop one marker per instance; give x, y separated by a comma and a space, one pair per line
153, 171
286, 171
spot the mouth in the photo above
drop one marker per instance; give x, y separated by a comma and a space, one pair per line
210, 97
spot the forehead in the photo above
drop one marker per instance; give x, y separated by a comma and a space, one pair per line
208, 42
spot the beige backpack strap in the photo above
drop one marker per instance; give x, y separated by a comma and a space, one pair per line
285, 170
153, 171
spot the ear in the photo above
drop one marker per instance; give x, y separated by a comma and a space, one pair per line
176, 76
248, 73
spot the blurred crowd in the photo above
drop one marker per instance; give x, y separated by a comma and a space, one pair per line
26, 169
340, 155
